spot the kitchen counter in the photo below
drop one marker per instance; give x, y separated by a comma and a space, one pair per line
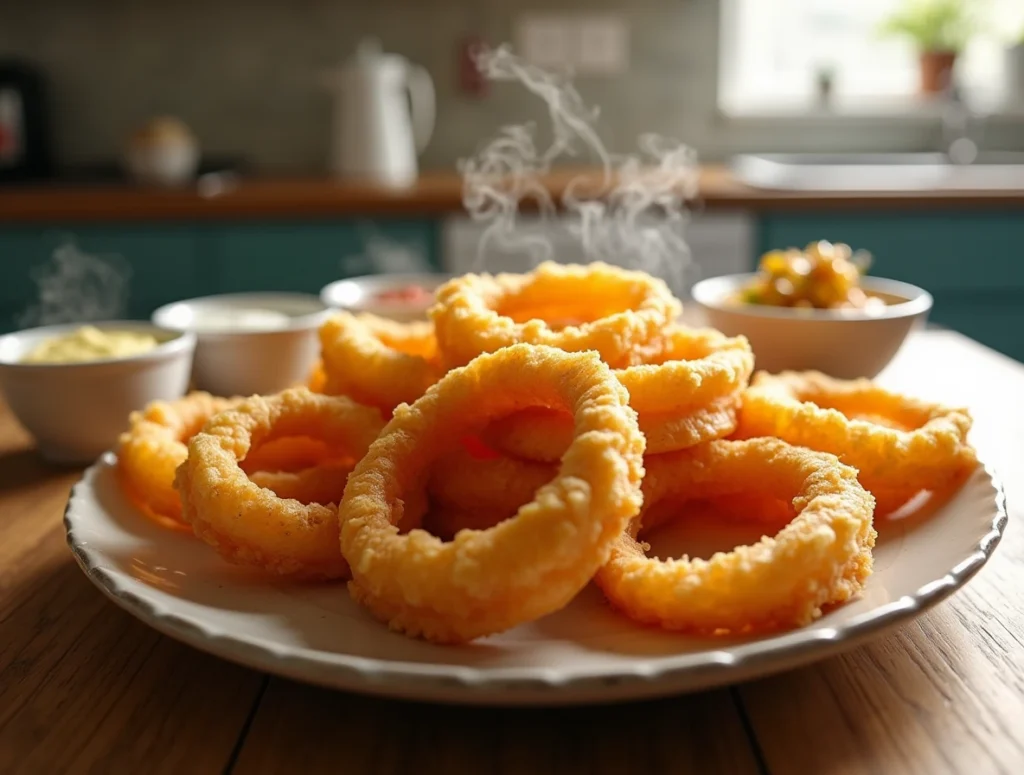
436, 193
85, 687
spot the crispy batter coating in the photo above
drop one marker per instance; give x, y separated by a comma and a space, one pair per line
287, 453
446, 522
317, 381
487, 581
477, 492
822, 557
899, 445
378, 362
688, 394
250, 525
620, 314
321, 483
154, 446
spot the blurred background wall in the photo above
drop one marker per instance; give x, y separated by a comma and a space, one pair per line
244, 74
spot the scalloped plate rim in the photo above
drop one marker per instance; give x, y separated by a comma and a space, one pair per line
670, 675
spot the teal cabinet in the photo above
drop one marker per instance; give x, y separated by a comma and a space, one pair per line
971, 262
164, 263
995, 319
938, 251
154, 265
305, 257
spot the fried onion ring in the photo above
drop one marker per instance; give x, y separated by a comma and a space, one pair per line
288, 453
822, 557
446, 522
899, 445
154, 446
618, 313
250, 525
487, 581
479, 492
323, 483
317, 380
689, 394
378, 362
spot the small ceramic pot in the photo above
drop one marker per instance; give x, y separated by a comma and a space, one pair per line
164, 152
936, 70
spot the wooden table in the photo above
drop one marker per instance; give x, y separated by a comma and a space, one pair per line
86, 688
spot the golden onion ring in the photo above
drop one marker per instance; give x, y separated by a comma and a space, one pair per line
473, 491
899, 445
317, 380
321, 483
250, 525
487, 581
618, 313
822, 557
688, 394
378, 362
445, 522
288, 453
154, 446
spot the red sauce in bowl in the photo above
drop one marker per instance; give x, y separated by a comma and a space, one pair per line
408, 294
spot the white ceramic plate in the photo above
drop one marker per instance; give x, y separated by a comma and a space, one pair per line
584, 653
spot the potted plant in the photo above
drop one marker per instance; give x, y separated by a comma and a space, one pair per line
940, 29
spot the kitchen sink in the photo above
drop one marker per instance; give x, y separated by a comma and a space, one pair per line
879, 172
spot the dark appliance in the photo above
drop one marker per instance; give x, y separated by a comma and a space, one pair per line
25, 152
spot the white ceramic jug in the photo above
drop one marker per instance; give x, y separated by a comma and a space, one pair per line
383, 116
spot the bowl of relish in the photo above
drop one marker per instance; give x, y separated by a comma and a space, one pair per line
816, 308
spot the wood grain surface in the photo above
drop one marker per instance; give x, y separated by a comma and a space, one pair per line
700, 734
945, 693
435, 193
86, 688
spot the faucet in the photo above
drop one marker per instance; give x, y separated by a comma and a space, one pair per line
956, 118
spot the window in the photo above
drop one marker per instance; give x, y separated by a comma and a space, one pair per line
773, 49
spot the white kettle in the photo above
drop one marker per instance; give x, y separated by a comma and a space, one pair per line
384, 112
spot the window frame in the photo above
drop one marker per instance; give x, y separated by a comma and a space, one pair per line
910, 110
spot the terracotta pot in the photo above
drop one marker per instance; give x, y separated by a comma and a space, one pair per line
936, 70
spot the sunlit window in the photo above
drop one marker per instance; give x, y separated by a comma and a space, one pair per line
774, 51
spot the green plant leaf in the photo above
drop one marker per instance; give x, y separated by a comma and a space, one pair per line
934, 25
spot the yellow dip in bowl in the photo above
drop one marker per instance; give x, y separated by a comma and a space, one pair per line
89, 343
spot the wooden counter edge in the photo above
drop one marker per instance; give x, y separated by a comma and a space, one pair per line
434, 194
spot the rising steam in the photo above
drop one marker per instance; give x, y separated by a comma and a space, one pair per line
632, 213
75, 287
386, 255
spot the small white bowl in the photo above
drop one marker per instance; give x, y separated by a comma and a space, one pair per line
240, 361
846, 344
76, 411
358, 294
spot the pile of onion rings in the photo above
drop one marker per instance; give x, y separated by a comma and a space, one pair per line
474, 471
